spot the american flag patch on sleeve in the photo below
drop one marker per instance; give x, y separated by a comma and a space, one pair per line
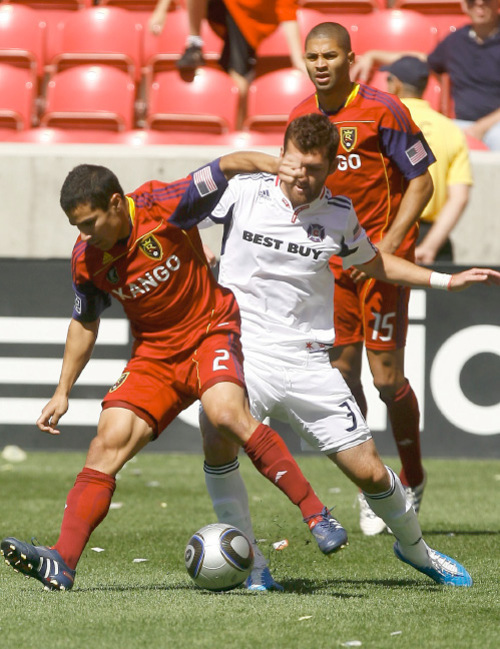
416, 153
203, 179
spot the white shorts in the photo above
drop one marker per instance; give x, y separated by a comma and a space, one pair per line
305, 391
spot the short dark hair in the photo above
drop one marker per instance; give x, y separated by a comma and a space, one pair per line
313, 132
89, 184
335, 31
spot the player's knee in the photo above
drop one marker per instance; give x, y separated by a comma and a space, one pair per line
374, 478
388, 385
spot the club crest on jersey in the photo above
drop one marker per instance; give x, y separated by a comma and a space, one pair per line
315, 232
151, 247
112, 275
120, 382
348, 137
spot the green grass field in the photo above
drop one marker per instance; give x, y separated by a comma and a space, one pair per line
363, 596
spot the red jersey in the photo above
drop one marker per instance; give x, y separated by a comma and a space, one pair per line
381, 149
159, 273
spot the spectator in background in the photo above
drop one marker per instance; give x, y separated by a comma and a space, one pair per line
471, 57
451, 174
243, 25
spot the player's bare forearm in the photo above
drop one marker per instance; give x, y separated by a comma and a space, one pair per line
448, 217
415, 198
248, 162
80, 342
389, 268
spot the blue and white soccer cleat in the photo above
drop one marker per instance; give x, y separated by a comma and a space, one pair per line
328, 532
39, 562
443, 569
260, 579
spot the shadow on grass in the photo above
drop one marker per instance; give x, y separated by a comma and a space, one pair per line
338, 588
461, 532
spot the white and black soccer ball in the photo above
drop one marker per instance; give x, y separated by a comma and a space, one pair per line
218, 557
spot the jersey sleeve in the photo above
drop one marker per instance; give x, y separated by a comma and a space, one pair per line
403, 142
223, 211
356, 245
90, 302
204, 190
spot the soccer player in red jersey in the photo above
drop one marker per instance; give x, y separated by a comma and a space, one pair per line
383, 169
144, 250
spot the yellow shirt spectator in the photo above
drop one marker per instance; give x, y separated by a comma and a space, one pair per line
448, 144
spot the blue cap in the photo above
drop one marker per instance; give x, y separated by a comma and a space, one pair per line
409, 69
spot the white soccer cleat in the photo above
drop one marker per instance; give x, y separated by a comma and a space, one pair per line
369, 522
415, 494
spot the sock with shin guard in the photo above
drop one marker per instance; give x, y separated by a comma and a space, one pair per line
86, 506
404, 416
398, 514
271, 457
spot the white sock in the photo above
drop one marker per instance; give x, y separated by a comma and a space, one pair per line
397, 513
194, 40
230, 501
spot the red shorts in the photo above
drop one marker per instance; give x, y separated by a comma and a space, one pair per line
372, 312
158, 390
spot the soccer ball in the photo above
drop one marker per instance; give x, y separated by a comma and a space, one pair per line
218, 557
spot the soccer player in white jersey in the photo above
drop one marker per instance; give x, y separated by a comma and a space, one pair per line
279, 234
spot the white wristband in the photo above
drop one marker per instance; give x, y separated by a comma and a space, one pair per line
440, 281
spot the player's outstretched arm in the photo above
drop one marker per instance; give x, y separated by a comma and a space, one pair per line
389, 268
241, 162
80, 342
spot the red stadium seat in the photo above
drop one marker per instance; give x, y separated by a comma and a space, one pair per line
273, 53
163, 50
432, 94
393, 29
90, 97
97, 35
55, 5
430, 6
343, 6
17, 97
207, 103
272, 96
42, 135
448, 23
22, 37
138, 5
309, 18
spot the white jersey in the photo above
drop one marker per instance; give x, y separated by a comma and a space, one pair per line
275, 260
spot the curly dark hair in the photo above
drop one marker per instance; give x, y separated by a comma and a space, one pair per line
313, 132
89, 184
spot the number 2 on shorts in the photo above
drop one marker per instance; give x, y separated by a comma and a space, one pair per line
221, 355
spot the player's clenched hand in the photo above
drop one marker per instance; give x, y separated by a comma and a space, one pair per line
471, 276
290, 168
51, 414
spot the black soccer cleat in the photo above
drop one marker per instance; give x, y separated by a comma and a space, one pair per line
39, 562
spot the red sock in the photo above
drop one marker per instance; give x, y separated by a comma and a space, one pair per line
271, 457
86, 506
404, 416
359, 394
